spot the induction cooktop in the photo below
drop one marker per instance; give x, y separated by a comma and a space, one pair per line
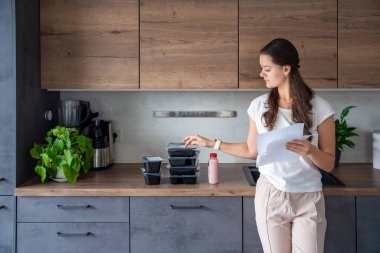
252, 174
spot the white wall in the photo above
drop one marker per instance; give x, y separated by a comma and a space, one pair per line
131, 114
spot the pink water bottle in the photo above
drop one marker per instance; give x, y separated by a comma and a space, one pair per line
213, 169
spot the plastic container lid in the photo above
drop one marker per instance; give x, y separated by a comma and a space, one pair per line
143, 171
175, 146
151, 159
182, 158
168, 166
185, 176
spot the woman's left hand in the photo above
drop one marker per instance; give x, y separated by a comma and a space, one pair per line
301, 147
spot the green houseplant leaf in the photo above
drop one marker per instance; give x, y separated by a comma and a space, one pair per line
64, 149
343, 131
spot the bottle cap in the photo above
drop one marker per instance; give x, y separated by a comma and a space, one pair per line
213, 155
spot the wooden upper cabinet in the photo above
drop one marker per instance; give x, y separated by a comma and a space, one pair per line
359, 44
188, 44
89, 44
310, 25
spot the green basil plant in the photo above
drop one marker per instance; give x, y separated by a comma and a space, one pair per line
65, 149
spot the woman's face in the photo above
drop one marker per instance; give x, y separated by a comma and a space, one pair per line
273, 74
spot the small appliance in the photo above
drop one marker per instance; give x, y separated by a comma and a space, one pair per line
101, 133
75, 114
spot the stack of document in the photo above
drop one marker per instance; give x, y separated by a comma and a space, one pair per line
271, 145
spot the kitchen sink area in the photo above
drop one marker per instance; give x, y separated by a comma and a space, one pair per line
252, 174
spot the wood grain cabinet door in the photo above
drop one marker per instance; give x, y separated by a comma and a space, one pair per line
310, 25
188, 44
186, 224
89, 44
359, 44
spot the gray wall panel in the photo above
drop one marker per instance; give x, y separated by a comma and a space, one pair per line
7, 99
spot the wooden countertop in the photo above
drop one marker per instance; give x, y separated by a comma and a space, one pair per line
127, 180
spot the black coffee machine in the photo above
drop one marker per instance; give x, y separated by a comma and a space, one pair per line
75, 114
103, 138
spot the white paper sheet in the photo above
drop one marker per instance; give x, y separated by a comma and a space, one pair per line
271, 145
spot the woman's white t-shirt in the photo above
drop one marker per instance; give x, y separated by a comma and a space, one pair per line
300, 176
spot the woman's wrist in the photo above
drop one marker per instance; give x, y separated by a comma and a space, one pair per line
210, 144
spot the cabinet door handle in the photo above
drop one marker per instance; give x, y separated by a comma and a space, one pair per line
2, 179
173, 207
2, 207
61, 234
74, 207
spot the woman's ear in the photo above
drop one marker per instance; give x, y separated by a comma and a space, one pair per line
286, 69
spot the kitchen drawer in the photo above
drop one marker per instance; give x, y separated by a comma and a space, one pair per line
186, 224
6, 176
73, 209
6, 223
72, 237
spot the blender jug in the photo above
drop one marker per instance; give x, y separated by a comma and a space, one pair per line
72, 113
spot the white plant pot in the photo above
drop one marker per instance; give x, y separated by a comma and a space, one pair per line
60, 176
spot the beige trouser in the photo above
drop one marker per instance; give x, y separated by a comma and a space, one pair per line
289, 221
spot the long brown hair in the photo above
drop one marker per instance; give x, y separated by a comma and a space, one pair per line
283, 53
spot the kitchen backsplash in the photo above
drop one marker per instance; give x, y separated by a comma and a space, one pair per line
139, 133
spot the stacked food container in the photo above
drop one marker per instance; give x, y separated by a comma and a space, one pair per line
183, 163
152, 169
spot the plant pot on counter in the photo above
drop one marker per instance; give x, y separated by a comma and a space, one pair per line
60, 176
337, 158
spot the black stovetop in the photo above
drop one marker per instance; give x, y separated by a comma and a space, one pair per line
252, 174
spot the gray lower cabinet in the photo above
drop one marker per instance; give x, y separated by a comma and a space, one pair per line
340, 233
251, 239
186, 224
6, 223
368, 223
72, 237
72, 224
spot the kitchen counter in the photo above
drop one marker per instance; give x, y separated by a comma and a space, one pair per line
127, 180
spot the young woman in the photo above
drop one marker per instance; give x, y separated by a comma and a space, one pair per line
289, 202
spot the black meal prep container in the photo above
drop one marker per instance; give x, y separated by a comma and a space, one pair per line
179, 150
183, 161
151, 178
152, 164
183, 170
183, 179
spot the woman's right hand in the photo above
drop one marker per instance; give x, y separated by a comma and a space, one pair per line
197, 140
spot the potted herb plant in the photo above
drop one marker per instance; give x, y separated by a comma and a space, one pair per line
342, 133
64, 155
